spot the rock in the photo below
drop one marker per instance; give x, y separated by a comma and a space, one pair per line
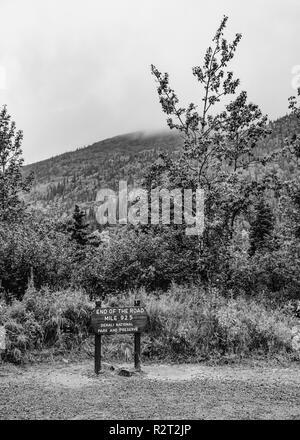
126, 373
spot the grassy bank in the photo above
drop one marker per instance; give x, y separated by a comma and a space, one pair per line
185, 324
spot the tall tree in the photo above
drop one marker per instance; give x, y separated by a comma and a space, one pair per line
220, 149
12, 183
79, 229
261, 228
292, 151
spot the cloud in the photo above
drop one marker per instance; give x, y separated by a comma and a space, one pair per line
77, 72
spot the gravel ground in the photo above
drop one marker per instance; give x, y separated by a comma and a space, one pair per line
71, 391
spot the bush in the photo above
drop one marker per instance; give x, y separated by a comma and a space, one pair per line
276, 273
134, 259
45, 319
34, 245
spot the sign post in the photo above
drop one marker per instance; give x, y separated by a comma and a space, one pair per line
2, 341
114, 320
137, 346
98, 346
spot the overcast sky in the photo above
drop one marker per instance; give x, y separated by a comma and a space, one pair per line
74, 72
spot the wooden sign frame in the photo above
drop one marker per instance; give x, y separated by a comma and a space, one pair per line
97, 324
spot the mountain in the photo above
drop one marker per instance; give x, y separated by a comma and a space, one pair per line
75, 177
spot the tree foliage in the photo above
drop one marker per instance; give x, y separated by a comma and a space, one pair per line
261, 227
79, 228
11, 161
220, 148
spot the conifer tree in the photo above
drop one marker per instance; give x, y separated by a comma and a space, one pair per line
262, 227
79, 229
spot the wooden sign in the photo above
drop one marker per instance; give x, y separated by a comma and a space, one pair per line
112, 320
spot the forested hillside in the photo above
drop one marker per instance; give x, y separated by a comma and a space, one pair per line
74, 177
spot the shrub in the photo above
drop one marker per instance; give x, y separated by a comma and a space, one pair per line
45, 319
276, 273
33, 245
134, 259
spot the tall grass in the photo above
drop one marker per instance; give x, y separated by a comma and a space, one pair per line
185, 324
45, 320
190, 323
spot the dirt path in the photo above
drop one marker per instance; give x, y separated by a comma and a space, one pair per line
72, 391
